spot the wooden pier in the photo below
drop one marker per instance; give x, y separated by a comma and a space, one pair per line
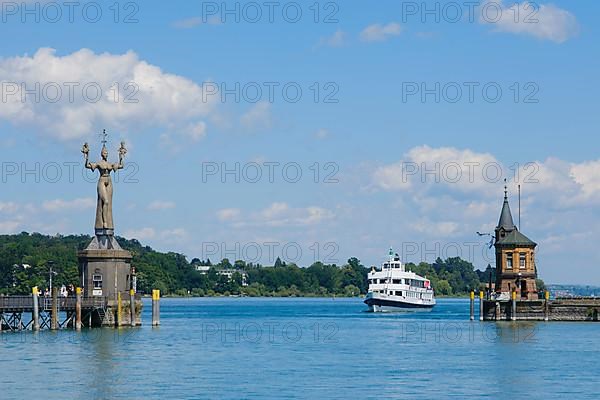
21, 313
18, 313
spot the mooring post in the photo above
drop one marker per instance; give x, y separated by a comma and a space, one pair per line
155, 307
513, 314
132, 306
78, 309
54, 321
472, 305
119, 310
481, 305
546, 305
36, 309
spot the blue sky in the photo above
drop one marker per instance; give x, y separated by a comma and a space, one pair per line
364, 129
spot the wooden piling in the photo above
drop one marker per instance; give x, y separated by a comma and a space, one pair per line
35, 314
78, 309
481, 305
132, 306
513, 314
119, 310
472, 306
155, 307
546, 305
54, 320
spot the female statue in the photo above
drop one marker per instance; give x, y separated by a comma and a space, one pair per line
104, 219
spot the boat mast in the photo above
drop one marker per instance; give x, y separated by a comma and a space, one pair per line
389, 274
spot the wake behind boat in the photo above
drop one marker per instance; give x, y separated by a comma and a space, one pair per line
392, 288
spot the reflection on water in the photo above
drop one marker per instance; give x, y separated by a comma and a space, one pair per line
304, 348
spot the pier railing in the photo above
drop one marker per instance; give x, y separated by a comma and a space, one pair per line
15, 302
25, 303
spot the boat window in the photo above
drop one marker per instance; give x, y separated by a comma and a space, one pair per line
397, 281
382, 281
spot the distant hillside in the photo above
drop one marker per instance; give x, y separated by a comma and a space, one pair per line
574, 290
25, 262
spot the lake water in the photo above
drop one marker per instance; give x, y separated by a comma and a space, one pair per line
223, 348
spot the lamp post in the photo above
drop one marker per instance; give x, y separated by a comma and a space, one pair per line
51, 273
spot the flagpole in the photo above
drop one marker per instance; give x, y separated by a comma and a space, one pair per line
519, 207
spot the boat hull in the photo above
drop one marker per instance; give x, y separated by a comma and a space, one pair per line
378, 304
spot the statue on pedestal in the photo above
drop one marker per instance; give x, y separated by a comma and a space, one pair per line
104, 267
104, 216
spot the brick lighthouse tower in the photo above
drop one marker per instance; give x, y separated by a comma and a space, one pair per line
515, 258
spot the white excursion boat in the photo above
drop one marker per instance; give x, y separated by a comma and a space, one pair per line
392, 288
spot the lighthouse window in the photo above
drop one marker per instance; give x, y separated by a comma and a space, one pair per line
509, 260
522, 260
97, 279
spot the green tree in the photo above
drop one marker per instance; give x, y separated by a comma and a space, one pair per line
443, 287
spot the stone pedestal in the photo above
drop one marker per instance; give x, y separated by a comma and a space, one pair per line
105, 270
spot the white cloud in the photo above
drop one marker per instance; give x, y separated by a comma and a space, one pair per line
11, 217
322, 134
277, 214
587, 175
426, 167
174, 234
281, 214
141, 234
10, 226
193, 22
188, 23
228, 214
148, 233
258, 117
196, 131
338, 39
437, 228
561, 183
163, 100
8, 207
379, 32
68, 205
543, 21
159, 205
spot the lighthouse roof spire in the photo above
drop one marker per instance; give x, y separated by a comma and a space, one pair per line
506, 219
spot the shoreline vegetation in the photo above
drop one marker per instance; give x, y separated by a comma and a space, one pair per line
307, 296
26, 259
